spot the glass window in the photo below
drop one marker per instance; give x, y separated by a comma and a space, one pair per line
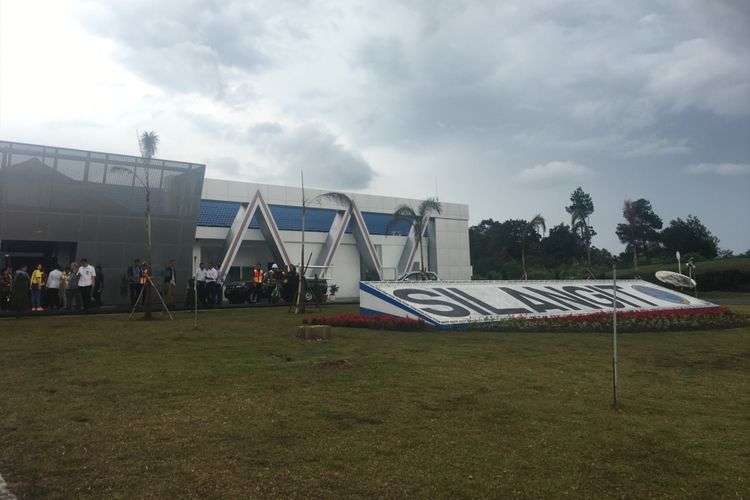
71, 168
96, 172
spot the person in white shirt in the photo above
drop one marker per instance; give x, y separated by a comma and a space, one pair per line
54, 281
212, 275
86, 278
200, 283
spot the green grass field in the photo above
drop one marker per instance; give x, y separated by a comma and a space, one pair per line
98, 407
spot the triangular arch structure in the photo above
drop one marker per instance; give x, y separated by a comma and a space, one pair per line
344, 218
349, 217
409, 252
268, 228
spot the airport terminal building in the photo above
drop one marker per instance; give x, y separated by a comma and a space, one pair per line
60, 204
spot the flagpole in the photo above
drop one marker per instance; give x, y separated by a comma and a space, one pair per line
614, 332
195, 293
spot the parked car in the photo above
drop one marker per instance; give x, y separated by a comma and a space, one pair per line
417, 276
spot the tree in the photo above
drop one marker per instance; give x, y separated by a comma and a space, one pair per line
690, 236
148, 142
559, 246
417, 218
530, 230
641, 230
580, 209
580, 202
580, 224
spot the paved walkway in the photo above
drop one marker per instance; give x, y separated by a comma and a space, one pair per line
4, 493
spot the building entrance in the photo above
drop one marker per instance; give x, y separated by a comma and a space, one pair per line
16, 253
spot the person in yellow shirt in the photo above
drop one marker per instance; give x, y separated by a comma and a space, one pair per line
36, 284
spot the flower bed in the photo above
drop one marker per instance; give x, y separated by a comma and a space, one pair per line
379, 322
712, 318
627, 321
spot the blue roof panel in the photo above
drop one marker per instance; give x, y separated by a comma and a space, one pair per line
222, 213
217, 213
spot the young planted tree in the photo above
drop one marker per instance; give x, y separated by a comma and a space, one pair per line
530, 230
148, 142
418, 219
335, 197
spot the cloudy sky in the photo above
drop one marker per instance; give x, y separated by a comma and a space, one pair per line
504, 105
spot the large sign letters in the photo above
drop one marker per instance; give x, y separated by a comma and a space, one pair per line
451, 303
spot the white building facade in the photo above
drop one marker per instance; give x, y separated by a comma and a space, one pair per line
242, 224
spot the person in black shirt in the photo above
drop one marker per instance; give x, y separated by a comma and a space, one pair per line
98, 286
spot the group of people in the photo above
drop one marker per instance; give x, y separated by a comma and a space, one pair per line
209, 283
78, 286
273, 284
138, 275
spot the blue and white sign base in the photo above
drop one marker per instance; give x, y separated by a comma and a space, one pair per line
456, 303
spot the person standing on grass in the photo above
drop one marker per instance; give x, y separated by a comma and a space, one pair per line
170, 282
72, 295
200, 283
219, 287
255, 291
19, 299
134, 281
54, 282
98, 286
6, 285
211, 276
35, 285
86, 279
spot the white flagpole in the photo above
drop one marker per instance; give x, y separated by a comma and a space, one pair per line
195, 293
614, 332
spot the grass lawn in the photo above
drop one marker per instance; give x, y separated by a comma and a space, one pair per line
98, 407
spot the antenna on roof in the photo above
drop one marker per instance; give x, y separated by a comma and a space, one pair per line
436, 190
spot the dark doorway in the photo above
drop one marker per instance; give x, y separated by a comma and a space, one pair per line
16, 253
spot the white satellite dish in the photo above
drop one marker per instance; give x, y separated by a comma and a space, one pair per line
675, 279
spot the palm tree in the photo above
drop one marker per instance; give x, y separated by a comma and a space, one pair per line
417, 218
530, 228
630, 214
148, 142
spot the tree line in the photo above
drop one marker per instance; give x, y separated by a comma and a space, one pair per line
522, 249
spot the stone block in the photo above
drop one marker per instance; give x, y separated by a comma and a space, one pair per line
314, 332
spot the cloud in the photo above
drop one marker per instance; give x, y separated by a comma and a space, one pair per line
554, 172
385, 58
729, 169
277, 153
182, 67
225, 165
316, 151
183, 46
